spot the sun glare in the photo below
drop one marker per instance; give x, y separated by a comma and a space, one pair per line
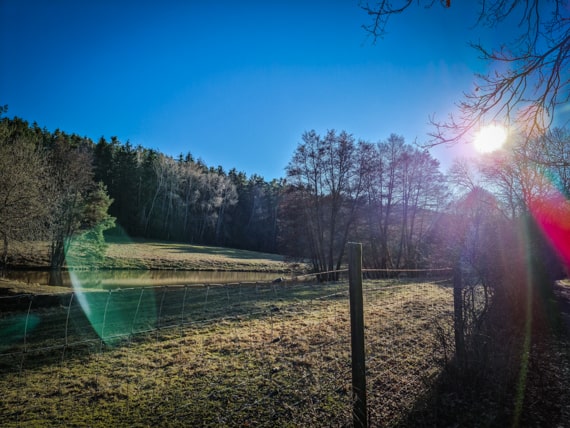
490, 138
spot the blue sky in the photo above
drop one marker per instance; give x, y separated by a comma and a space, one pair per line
234, 83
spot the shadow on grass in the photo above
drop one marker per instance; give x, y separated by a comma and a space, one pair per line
513, 376
45, 329
221, 251
462, 398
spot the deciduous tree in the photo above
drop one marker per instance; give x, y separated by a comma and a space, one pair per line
325, 180
22, 179
77, 204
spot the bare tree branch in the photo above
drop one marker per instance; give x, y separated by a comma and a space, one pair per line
530, 74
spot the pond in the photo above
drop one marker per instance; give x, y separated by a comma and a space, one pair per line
132, 278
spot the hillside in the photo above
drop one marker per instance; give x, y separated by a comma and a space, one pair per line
146, 254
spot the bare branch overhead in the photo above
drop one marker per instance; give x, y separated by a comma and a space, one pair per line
529, 75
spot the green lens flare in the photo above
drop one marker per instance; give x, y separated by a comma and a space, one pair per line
113, 313
15, 329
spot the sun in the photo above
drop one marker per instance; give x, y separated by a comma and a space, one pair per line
490, 138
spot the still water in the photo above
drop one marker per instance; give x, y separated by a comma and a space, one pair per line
132, 278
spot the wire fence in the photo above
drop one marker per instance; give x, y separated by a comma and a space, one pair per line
247, 354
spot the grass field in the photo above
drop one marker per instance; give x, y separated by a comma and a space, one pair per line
247, 355
145, 254
149, 255
258, 354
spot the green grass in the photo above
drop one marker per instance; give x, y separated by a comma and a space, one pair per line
276, 355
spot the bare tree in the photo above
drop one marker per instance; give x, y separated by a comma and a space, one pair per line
226, 197
325, 175
530, 73
423, 190
189, 174
22, 176
553, 151
163, 168
217, 193
402, 191
516, 180
463, 176
390, 152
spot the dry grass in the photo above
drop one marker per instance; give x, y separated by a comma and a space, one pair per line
144, 254
405, 347
282, 359
170, 255
11, 287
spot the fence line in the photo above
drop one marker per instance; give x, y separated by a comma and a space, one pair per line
261, 354
318, 274
369, 270
408, 270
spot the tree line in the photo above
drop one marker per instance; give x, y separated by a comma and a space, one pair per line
64, 189
160, 197
48, 191
389, 195
385, 195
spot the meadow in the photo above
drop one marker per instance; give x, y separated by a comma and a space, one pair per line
228, 355
127, 253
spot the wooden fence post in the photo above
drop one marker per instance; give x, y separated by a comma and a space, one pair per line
359, 411
458, 315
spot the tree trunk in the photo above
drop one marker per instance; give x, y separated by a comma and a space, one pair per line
57, 254
219, 223
4, 256
55, 277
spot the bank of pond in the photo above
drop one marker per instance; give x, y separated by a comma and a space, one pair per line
131, 278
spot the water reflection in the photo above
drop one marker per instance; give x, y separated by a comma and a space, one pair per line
131, 278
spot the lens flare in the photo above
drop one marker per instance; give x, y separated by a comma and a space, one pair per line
113, 313
553, 216
14, 329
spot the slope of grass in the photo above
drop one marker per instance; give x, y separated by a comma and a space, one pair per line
171, 255
146, 254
